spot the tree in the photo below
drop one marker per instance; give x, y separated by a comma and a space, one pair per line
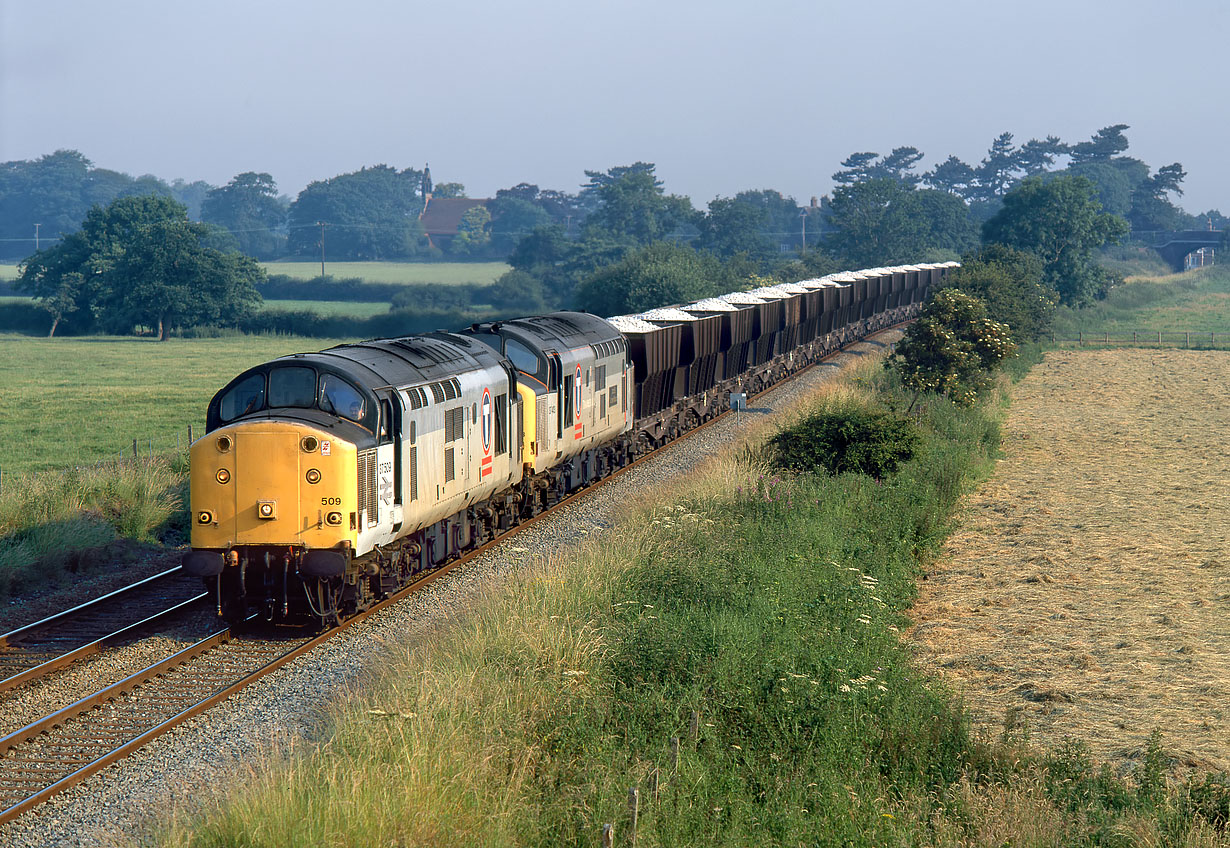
517, 290
951, 349
371, 213
1116, 181
732, 227
866, 166
171, 281
1035, 156
1009, 282
1152, 208
885, 222
1061, 222
657, 275
997, 173
192, 195
139, 261
953, 176
249, 207
55, 192
513, 218
448, 190
632, 206
1105, 144
473, 233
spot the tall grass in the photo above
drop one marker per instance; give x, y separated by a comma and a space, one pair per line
48, 520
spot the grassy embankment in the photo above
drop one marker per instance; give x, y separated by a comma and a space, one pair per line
755, 618
1196, 302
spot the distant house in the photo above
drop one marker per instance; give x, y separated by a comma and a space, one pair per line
441, 218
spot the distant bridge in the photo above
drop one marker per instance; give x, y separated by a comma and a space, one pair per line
1174, 247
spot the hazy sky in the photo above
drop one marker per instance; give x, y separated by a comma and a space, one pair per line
722, 95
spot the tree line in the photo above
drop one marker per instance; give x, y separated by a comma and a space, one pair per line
622, 243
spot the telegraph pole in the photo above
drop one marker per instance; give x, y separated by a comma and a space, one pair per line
803, 219
36, 226
321, 224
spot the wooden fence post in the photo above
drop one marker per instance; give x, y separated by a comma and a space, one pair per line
653, 785
634, 807
674, 754
694, 729
134, 448
189, 435
608, 835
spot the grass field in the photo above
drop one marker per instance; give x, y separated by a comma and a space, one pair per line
1197, 302
409, 273
8, 272
7, 299
69, 401
327, 307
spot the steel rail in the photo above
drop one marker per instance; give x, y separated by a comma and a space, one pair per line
131, 685
51, 619
11, 647
96, 646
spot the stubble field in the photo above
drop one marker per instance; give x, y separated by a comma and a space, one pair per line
1088, 589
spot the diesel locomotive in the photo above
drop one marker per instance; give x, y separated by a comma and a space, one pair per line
326, 481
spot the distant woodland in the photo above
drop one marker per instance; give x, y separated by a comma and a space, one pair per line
103, 251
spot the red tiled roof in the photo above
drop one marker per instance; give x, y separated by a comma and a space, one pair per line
442, 217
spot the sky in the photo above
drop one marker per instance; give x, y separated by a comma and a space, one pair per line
722, 95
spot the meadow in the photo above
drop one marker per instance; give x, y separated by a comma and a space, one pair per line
79, 401
348, 309
8, 271
407, 273
1196, 301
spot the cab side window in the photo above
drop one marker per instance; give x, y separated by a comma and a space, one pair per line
341, 398
522, 357
244, 397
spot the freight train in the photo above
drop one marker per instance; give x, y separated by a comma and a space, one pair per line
327, 481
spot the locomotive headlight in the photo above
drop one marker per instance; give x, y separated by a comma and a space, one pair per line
313, 476
204, 517
309, 445
334, 519
224, 444
267, 509
223, 475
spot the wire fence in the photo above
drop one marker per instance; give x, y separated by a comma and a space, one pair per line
1186, 339
143, 449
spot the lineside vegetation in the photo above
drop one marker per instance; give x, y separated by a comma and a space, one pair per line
754, 617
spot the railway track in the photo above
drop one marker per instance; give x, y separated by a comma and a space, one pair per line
62, 749
57, 641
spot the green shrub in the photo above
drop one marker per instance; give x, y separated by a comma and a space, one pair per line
858, 440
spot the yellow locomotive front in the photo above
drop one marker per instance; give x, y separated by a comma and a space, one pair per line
274, 494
